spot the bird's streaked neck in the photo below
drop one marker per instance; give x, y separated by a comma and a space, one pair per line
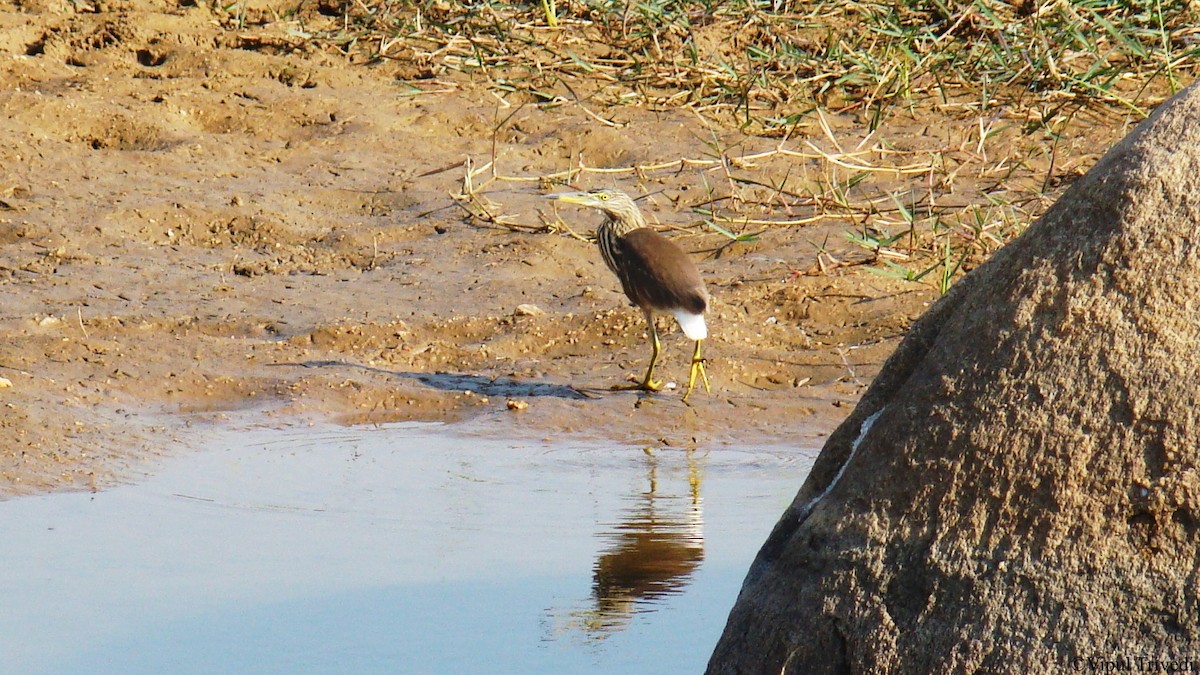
623, 224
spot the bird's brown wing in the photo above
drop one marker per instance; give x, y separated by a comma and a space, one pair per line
657, 274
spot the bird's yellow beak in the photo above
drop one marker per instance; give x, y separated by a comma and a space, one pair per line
581, 198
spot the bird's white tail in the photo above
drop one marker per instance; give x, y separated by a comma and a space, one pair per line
692, 324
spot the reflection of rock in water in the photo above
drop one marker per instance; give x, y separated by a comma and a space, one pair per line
652, 552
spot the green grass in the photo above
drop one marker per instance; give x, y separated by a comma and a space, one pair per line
768, 65
770, 68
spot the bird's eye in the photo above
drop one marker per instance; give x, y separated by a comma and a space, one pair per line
602, 196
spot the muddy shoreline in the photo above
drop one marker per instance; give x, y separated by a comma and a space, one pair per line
220, 229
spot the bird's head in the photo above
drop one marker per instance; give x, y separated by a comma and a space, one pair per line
615, 204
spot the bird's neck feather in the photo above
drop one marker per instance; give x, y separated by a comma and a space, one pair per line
622, 226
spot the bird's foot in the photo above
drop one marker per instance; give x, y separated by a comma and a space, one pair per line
697, 368
646, 384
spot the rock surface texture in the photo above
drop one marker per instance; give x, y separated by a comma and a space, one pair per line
1018, 491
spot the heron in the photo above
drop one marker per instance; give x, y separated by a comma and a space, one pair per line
655, 273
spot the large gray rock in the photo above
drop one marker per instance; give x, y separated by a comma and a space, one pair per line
1018, 491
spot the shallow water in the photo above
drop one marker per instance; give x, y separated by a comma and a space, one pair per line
400, 548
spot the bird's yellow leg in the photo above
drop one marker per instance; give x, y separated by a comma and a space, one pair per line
697, 367
648, 383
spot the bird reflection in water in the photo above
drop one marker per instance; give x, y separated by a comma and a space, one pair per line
651, 553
